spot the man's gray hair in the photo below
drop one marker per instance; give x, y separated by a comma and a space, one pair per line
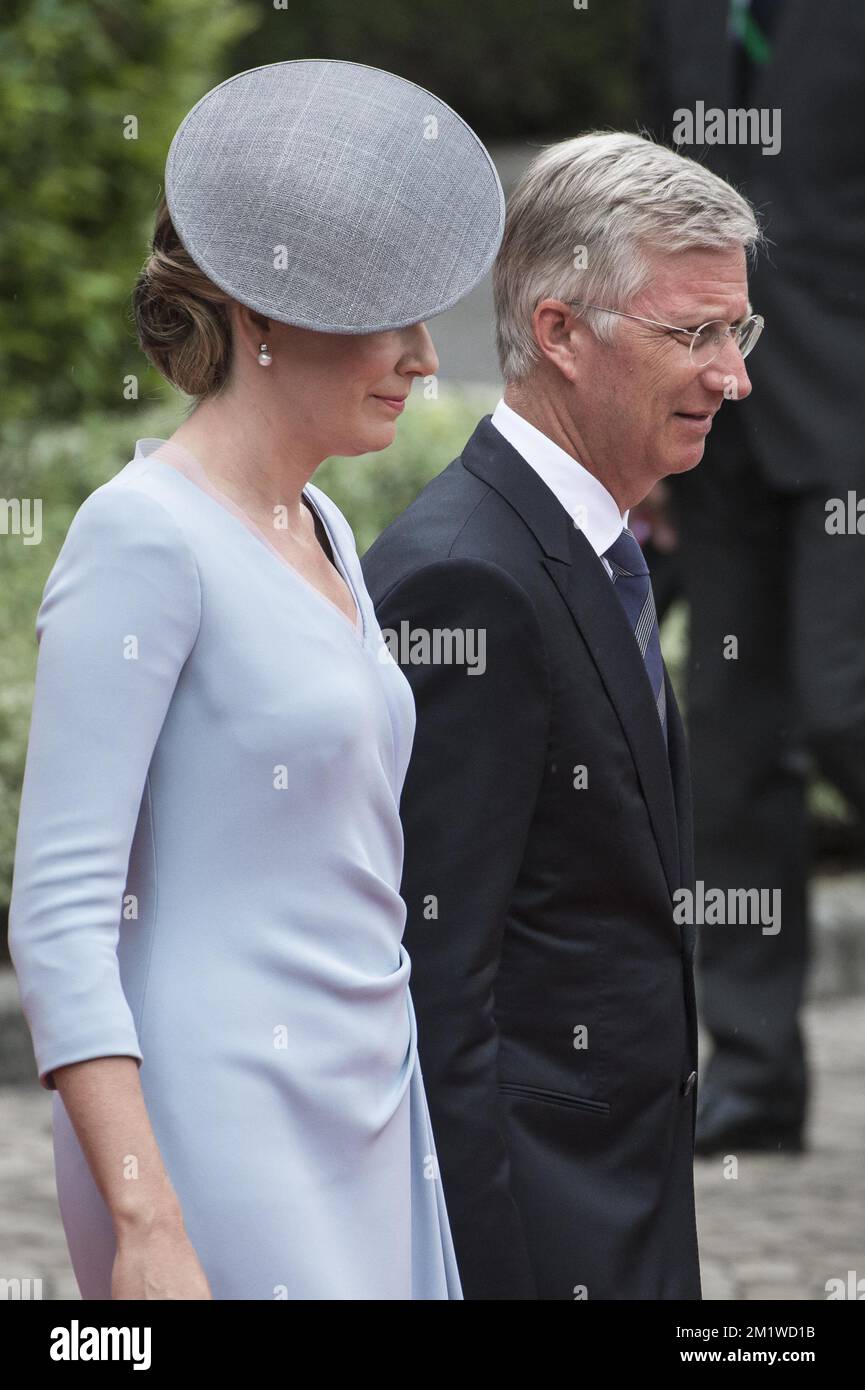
579, 220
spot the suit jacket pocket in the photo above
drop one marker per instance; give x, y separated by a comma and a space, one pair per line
517, 1088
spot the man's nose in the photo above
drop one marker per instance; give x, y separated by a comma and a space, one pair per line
727, 373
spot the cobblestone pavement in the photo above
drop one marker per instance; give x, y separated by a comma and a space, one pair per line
785, 1226
779, 1229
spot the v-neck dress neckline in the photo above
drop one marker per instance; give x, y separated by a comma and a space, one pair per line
189, 466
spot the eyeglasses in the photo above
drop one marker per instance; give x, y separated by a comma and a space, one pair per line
707, 341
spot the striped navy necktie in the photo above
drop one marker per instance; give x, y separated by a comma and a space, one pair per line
634, 588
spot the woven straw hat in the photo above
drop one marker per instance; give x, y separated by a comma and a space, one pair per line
334, 196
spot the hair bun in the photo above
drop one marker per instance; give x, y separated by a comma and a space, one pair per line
181, 318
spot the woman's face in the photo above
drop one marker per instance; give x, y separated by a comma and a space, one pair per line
343, 392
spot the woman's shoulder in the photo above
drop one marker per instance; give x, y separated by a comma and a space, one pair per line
128, 513
124, 537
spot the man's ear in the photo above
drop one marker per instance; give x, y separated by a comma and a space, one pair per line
560, 336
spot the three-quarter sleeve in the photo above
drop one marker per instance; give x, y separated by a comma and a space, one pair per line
119, 616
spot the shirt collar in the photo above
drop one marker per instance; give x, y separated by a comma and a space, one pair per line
584, 498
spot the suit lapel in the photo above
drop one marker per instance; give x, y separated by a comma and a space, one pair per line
585, 587
682, 785
681, 775
682, 794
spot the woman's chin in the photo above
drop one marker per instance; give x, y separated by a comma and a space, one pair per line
379, 438
364, 441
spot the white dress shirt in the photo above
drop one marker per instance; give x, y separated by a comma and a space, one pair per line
583, 497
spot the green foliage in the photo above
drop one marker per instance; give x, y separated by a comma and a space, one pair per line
80, 77
78, 195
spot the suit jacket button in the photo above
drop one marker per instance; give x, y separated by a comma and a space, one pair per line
688, 1086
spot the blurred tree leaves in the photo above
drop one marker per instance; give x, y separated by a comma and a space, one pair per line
77, 195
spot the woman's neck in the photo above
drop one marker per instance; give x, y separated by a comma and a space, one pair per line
246, 459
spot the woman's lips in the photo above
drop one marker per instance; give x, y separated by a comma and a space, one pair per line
396, 403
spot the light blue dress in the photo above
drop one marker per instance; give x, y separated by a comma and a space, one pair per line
207, 879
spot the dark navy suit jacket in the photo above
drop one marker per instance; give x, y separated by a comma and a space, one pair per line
553, 988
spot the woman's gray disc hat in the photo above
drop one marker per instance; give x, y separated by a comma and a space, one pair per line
334, 196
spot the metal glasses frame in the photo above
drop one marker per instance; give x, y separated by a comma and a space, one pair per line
736, 333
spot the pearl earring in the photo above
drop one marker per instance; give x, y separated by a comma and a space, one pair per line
264, 357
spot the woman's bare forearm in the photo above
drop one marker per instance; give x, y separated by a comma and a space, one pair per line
105, 1104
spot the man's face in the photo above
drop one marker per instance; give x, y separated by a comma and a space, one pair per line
643, 408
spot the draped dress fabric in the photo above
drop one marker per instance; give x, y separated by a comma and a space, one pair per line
207, 879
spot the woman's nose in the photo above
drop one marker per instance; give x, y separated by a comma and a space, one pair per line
422, 351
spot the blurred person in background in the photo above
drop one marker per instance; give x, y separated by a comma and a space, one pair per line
758, 559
